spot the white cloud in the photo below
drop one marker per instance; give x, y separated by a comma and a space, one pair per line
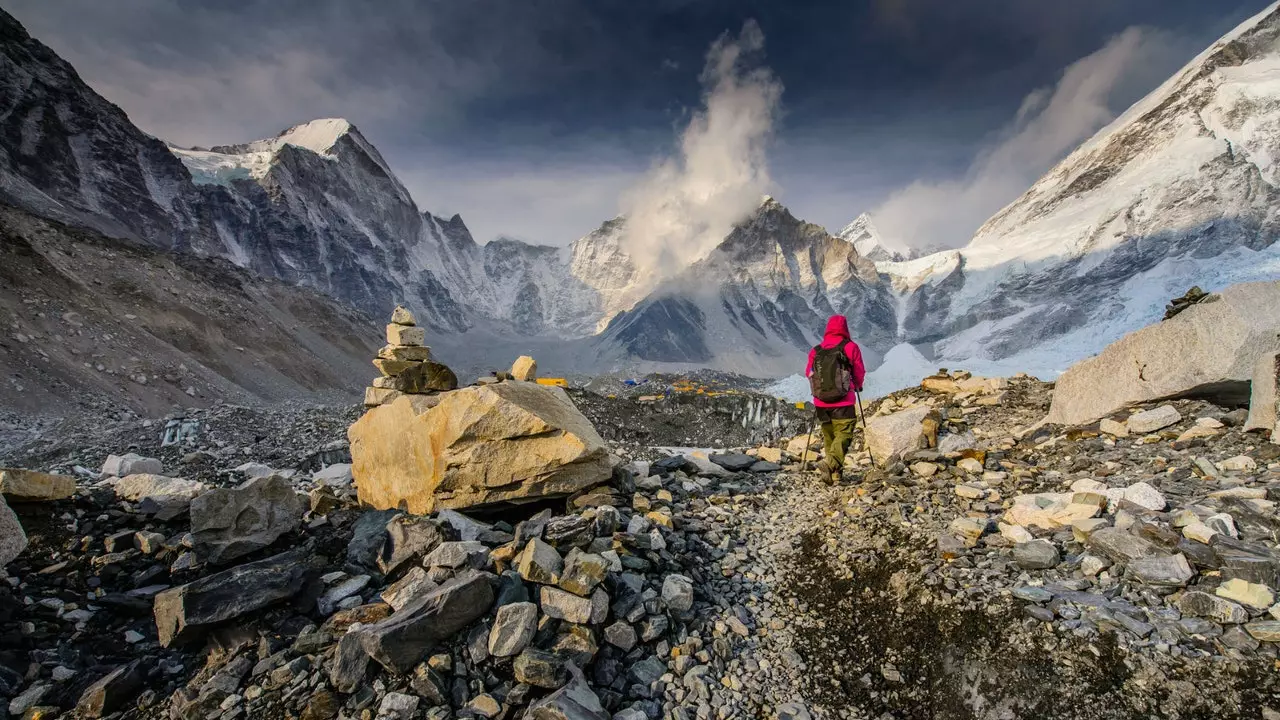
1049, 124
686, 204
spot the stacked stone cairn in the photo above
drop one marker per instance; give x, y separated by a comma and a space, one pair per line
406, 365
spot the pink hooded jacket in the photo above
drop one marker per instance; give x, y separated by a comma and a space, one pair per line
837, 333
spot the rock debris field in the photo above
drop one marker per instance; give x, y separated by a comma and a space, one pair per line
1114, 570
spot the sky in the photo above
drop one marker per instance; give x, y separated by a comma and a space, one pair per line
539, 119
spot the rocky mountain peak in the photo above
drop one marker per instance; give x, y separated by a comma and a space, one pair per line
864, 237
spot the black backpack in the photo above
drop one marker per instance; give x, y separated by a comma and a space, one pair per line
832, 375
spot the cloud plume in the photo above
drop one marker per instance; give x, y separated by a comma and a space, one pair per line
687, 203
1050, 123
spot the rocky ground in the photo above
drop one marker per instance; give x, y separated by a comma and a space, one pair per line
685, 588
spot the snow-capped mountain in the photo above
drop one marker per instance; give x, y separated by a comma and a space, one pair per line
1181, 190
867, 241
759, 300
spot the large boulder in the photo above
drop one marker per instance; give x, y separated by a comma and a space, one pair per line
227, 523
12, 539
183, 611
504, 442
896, 434
1262, 396
1210, 349
30, 486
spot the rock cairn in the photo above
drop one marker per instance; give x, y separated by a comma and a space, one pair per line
406, 365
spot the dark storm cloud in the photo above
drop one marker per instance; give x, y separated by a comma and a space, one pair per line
532, 117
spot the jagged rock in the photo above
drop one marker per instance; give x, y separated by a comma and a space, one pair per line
1171, 571
458, 554
621, 635
583, 572
403, 316
398, 334
183, 611
131, 464
1264, 630
677, 592
575, 701
229, 523
1212, 347
513, 628
110, 692
481, 445
13, 540
19, 485
735, 462
425, 377
398, 706
1114, 428
408, 537
524, 369
368, 537
336, 475
1201, 604
540, 669
1036, 555
403, 591
401, 640
167, 497
895, 435
1149, 421
957, 442
1254, 595
1263, 399
1121, 546
563, 605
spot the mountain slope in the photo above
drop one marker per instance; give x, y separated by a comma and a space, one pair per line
759, 300
1180, 190
96, 323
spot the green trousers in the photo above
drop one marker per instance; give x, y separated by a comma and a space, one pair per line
837, 435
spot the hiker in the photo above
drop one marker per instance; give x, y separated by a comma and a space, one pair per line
835, 373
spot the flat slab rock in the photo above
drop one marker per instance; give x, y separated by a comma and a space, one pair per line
19, 485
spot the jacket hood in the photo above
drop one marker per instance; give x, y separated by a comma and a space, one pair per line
837, 331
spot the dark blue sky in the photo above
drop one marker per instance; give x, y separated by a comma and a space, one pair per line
531, 117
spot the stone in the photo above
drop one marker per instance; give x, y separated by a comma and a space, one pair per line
30, 486
1113, 428
1149, 421
458, 554
621, 635
484, 705
401, 640
1146, 496
328, 602
940, 384
1121, 546
1263, 398
13, 540
540, 669
408, 537
970, 492
131, 464
1164, 570
1016, 533
405, 335
398, 706
376, 396
227, 523
970, 465
336, 475
677, 592
524, 369
405, 353
649, 670
764, 466
539, 563
924, 469
1211, 347
1253, 595
957, 442
1222, 523
165, 497
1036, 555
1239, 463
111, 692
1264, 630
575, 701
402, 316
1032, 594
184, 611
563, 605
1199, 532
733, 462
403, 591
425, 377
893, 435
513, 628
583, 572
505, 442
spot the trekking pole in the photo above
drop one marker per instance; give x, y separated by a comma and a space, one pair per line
804, 464
861, 414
